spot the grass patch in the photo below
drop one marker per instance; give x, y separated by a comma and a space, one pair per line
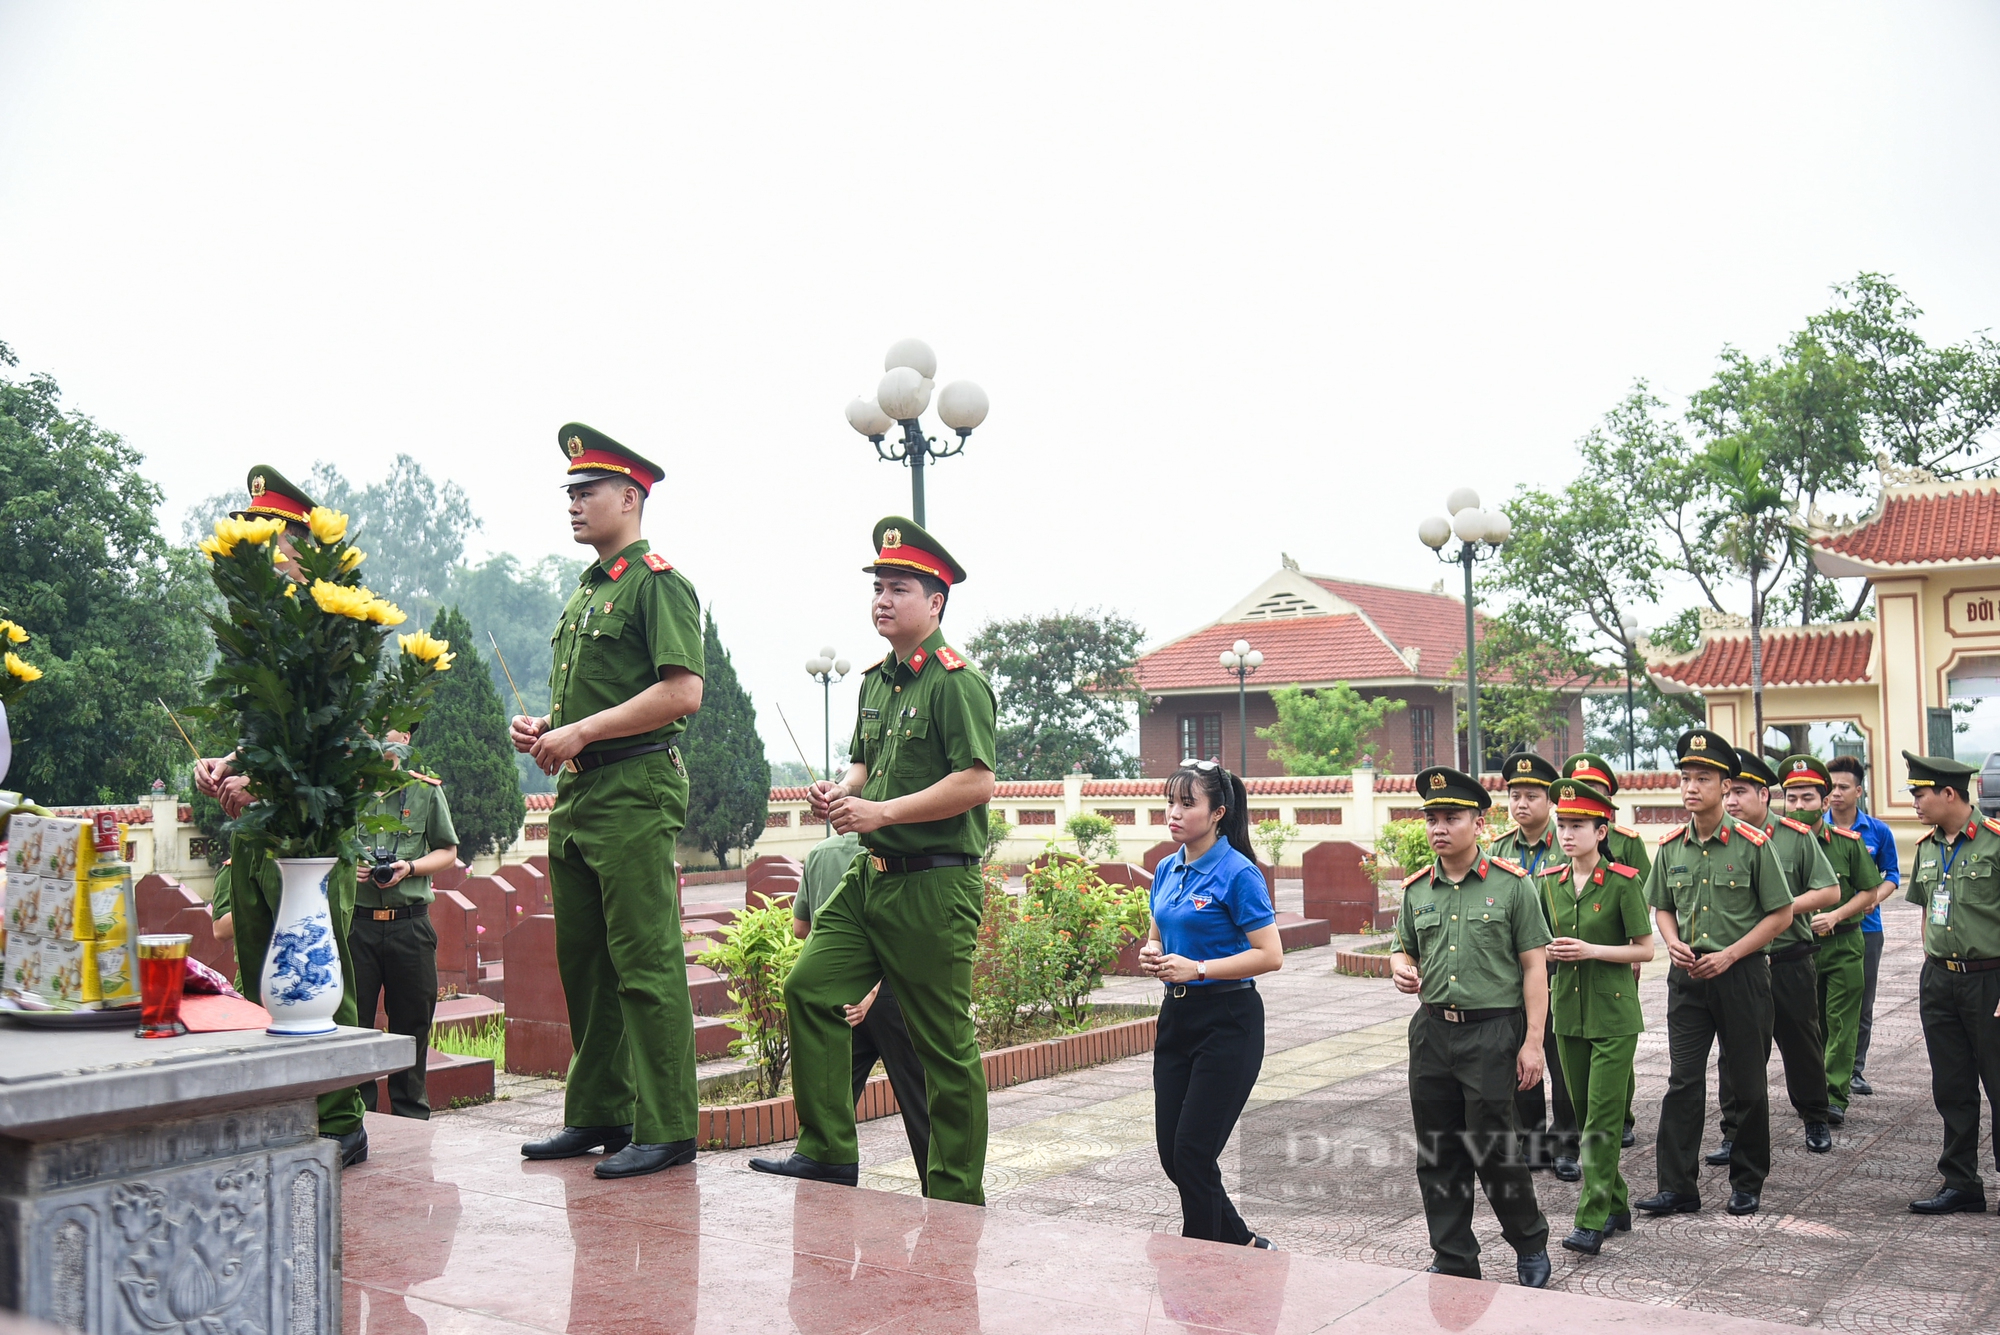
488, 1040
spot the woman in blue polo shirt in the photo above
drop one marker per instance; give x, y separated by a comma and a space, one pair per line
1213, 931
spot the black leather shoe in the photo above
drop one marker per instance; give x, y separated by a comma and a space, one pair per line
1589, 1241
1836, 1116
1951, 1200
1744, 1202
637, 1160
353, 1146
1819, 1137
1668, 1202
840, 1174
1719, 1156
573, 1141
1628, 1140
1533, 1271
1618, 1223
1859, 1084
1566, 1170
1258, 1240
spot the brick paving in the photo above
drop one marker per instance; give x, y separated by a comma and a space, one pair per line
1323, 1163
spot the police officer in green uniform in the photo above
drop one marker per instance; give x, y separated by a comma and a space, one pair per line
1597, 908
1795, 1025
1470, 944
1719, 896
254, 885
1627, 847
907, 910
1548, 1125
1841, 965
1957, 884
627, 673
392, 941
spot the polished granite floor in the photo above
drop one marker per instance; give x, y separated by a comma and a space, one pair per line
447, 1229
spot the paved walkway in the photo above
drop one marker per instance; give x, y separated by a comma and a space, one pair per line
1323, 1163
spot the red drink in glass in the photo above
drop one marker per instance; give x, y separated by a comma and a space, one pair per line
162, 973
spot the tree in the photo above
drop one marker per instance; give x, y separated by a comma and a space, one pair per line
464, 739
729, 781
1321, 732
1526, 682
1064, 682
412, 527
517, 606
116, 613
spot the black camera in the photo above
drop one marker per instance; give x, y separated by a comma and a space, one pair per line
383, 872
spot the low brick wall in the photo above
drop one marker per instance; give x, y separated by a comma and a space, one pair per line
767, 1121
1360, 965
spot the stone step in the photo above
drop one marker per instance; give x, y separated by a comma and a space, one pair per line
447, 1077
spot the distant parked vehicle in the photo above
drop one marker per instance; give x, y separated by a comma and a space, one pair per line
1989, 785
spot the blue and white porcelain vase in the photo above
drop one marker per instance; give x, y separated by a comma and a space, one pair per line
301, 981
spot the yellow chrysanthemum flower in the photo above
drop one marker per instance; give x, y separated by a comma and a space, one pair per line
14, 634
339, 600
384, 613
328, 526
291, 590
212, 548
25, 671
443, 663
422, 645
351, 558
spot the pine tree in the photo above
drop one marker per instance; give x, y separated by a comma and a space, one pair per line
729, 780
464, 742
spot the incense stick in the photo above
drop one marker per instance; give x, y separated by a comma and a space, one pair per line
795, 744
178, 728
510, 676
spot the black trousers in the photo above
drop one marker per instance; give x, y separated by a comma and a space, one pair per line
1871, 966
1964, 1042
1462, 1087
1801, 1042
883, 1036
1734, 1011
397, 961
1548, 1121
1205, 1060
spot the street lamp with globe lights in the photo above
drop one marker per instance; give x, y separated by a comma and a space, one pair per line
1240, 660
900, 401
826, 669
1628, 631
1475, 529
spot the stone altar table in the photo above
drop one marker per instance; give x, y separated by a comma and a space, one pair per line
175, 1184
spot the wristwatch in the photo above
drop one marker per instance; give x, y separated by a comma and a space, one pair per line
1201, 970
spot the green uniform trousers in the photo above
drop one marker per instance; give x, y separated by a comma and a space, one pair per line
1964, 1041
1462, 1087
618, 948
1599, 1074
1843, 977
396, 961
917, 930
254, 902
1732, 1012
1795, 1028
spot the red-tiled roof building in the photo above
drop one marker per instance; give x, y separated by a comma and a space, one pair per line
1314, 631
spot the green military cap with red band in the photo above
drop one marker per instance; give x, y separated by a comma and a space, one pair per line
272, 496
594, 456
903, 545
1805, 772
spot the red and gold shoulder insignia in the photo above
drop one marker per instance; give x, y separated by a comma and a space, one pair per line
431, 779
1414, 877
949, 657
877, 663
1855, 837
1625, 830
1991, 824
1672, 835
1555, 871
618, 567
656, 562
1623, 870
1753, 834
918, 659
1507, 865
1798, 825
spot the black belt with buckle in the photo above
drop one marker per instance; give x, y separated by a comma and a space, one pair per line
393, 915
1453, 1015
922, 862
1797, 951
1964, 966
591, 760
1202, 989
1842, 929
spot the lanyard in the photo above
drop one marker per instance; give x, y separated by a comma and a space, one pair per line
1534, 863
1951, 855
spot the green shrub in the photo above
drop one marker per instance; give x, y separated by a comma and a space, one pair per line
756, 955
1044, 954
1402, 843
488, 1040
998, 831
1096, 836
1272, 836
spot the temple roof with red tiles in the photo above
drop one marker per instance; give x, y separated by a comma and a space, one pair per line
1926, 524
1793, 656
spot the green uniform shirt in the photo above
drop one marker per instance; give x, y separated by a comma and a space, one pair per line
826, 863
1962, 906
1720, 888
1468, 937
421, 805
220, 899
1596, 998
917, 723
1530, 857
1850, 861
1806, 868
1629, 847
630, 617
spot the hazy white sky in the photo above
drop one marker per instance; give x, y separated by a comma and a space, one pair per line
1237, 279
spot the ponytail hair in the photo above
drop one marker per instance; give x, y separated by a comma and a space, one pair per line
1221, 789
